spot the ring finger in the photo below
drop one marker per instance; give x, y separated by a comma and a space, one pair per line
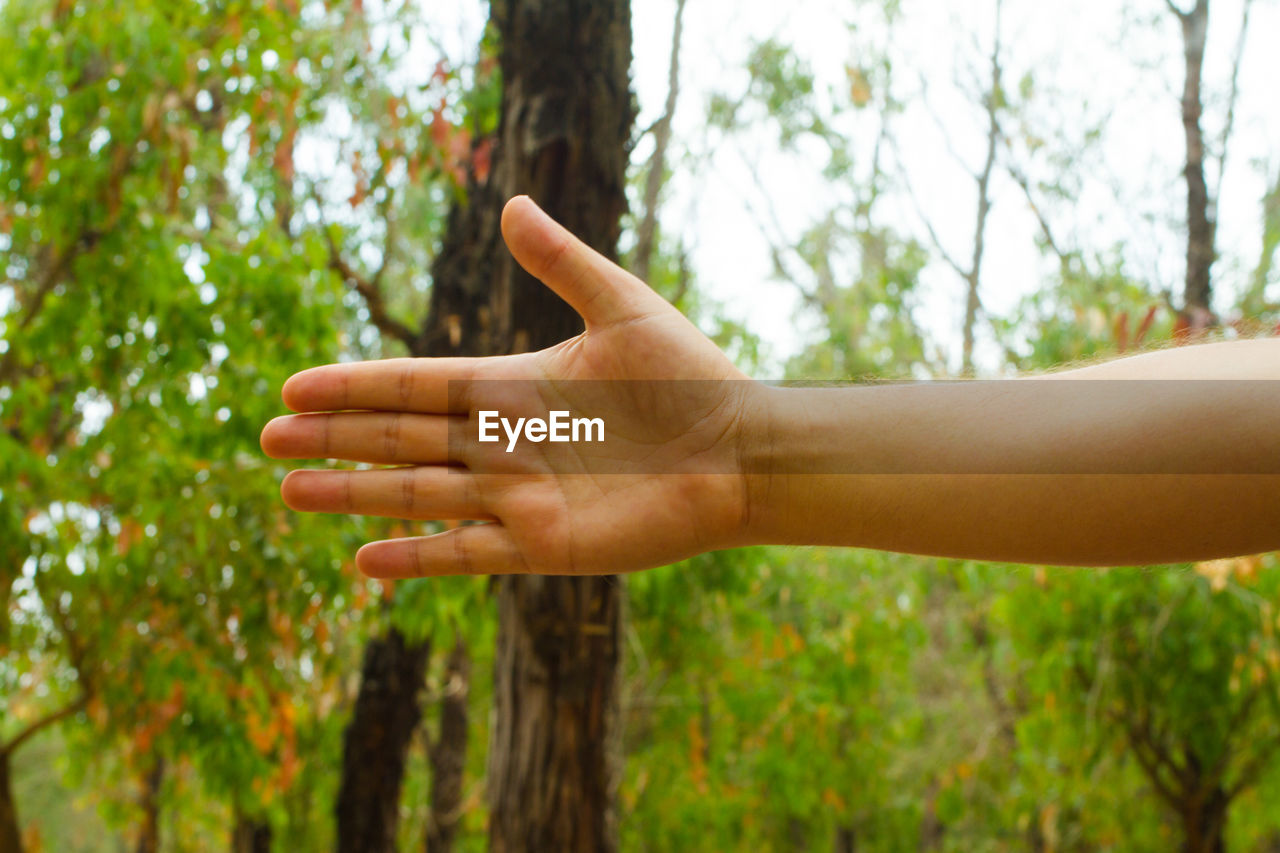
419, 493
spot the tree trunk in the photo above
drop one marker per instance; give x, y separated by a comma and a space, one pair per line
250, 836
552, 766
566, 119
1204, 824
1202, 805
149, 832
932, 830
449, 752
376, 743
10, 830
458, 323
1200, 218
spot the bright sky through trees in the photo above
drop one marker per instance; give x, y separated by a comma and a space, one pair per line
1090, 52
1094, 63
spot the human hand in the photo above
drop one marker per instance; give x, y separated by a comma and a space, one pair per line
668, 484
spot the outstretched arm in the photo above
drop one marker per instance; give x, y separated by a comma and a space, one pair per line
1165, 457
1047, 471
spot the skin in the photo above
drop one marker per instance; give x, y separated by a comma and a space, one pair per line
1095, 473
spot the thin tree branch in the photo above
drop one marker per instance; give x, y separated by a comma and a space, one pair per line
928, 224
682, 284
1232, 97
48, 280
1253, 769
945, 133
370, 291
1152, 757
972, 303
1046, 230
647, 230
44, 722
85, 240
1219, 768
75, 648
778, 243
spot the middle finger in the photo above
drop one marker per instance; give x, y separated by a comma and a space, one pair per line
385, 438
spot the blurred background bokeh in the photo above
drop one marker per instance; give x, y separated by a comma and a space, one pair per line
200, 197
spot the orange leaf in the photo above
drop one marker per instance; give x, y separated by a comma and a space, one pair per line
1145, 325
1122, 331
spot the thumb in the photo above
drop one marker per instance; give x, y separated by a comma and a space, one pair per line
598, 289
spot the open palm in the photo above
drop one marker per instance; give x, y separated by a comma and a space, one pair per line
665, 484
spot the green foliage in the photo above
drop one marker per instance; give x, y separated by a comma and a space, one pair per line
1166, 676
779, 676
868, 310
160, 287
856, 274
1087, 312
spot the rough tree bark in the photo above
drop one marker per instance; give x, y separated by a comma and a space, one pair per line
566, 119
448, 752
376, 743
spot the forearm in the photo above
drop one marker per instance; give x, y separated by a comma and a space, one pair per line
1090, 472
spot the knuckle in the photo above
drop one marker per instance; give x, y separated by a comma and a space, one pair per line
391, 436
463, 559
416, 551
408, 492
557, 256
408, 378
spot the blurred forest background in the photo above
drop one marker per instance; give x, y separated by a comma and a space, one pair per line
200, 197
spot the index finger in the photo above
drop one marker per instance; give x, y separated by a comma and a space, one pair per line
390, 385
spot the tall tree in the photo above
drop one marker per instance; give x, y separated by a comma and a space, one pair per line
448, 750
566, 118
992, 100
376, 742
1202, 202
388, 705
1201, 226
1183, 670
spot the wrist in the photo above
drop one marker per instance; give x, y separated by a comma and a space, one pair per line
800, 455
772, 423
